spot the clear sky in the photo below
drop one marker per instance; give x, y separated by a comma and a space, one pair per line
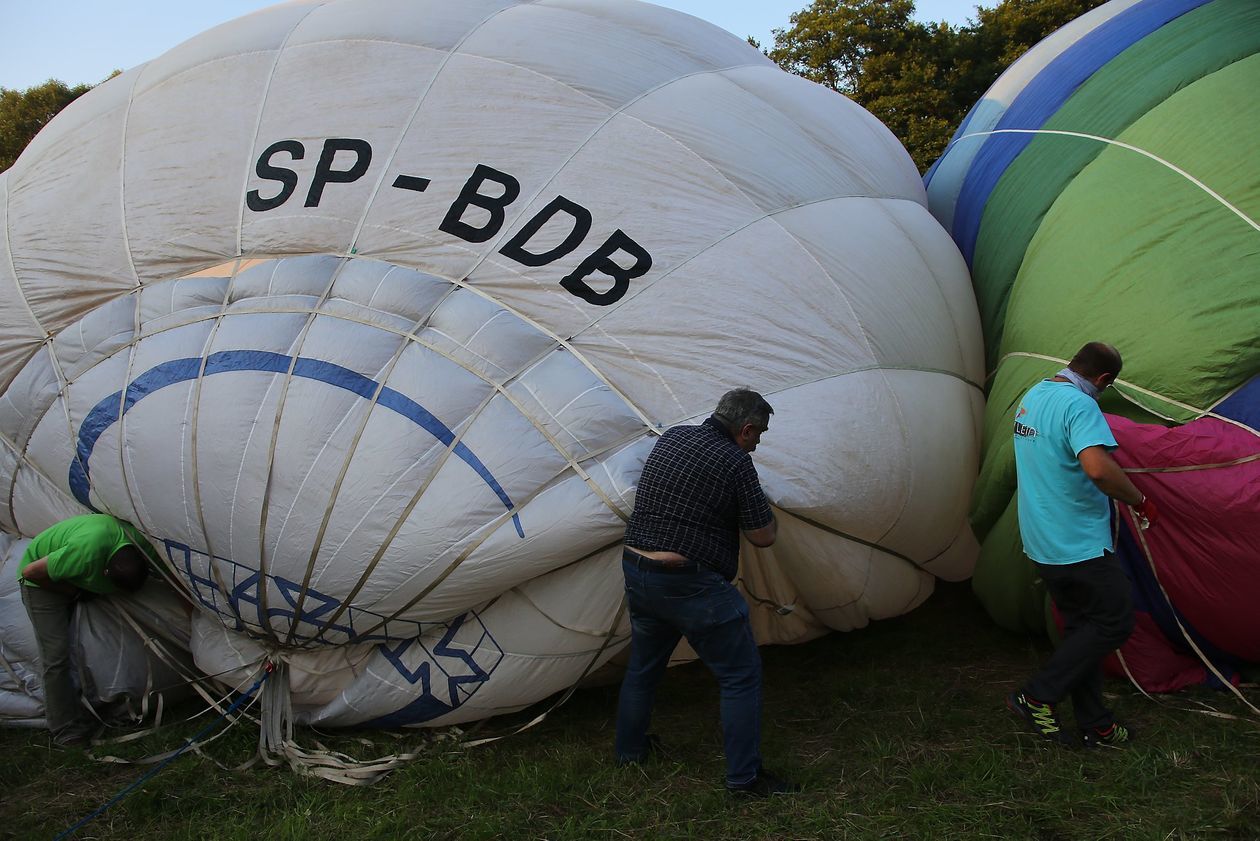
85, 40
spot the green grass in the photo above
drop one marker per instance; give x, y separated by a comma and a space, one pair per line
897, 731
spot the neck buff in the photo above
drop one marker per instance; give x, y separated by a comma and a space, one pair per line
1080, 382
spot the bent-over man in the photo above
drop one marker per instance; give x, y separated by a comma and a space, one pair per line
698, 491
93, 553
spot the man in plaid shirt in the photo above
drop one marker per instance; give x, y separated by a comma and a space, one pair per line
698, 491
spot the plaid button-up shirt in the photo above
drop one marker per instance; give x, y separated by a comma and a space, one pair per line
698, 490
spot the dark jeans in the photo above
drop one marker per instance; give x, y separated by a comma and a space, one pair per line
1093, 599
705, 608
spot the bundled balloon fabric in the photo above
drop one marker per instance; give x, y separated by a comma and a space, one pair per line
1107, 187
367, 313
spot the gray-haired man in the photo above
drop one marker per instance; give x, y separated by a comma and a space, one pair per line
698, 491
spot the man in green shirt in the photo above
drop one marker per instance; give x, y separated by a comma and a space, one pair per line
93, 553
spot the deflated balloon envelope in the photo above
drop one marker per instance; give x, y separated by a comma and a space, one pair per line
1107, 188
369, 312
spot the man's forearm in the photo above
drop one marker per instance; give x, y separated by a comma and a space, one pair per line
36, 573
766, 535
1117, 486
1108, 476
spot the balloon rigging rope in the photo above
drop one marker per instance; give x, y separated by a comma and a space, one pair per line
277, 742
609, 636
8, 252
122, 179
499, 388
382, 378
1130, 386
13, 676
212, 334
158, 647
406, 127
487, 531
124, 455
1129, 147
23, 459
401, 520
297, 345
217, 320
1191, 468
1150, 560
188, 744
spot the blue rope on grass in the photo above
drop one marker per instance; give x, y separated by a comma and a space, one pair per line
187, 744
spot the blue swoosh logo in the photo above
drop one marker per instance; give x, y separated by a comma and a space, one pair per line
107, 412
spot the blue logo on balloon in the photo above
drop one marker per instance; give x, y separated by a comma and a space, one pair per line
107, 412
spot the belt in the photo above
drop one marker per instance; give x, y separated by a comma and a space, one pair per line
653, 565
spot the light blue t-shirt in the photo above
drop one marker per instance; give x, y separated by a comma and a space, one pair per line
1063, 517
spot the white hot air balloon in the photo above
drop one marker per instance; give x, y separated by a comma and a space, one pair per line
368, 313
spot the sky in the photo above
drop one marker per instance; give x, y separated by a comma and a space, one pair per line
83, 41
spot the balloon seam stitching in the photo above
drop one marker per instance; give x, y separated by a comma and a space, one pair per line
1199, 413
620, 111
298, 344
1130, 147
345, 467
486, 532
216, 573
262, 106
379, 554
17, 283
867, 543
420, 99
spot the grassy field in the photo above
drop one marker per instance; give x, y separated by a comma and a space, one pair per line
897, 731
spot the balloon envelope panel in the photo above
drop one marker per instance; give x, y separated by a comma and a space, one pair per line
1106, 188
369, 312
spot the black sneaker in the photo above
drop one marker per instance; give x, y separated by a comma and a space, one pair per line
1115, 736
651, 748
1040, 717
764, 784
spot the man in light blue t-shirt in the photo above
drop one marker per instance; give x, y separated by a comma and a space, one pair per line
1067, 479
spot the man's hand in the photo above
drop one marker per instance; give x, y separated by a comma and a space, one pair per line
1146, 513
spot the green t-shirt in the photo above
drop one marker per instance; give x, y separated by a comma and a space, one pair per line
77, 550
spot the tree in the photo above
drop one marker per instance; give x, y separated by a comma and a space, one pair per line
24, 113
915, 91
1005, 32
919, 79
830, 40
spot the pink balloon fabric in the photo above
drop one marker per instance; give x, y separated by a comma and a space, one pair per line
1204, 477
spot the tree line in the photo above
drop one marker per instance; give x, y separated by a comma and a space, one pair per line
920, 79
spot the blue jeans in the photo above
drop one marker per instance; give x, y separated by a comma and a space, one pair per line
705, 608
